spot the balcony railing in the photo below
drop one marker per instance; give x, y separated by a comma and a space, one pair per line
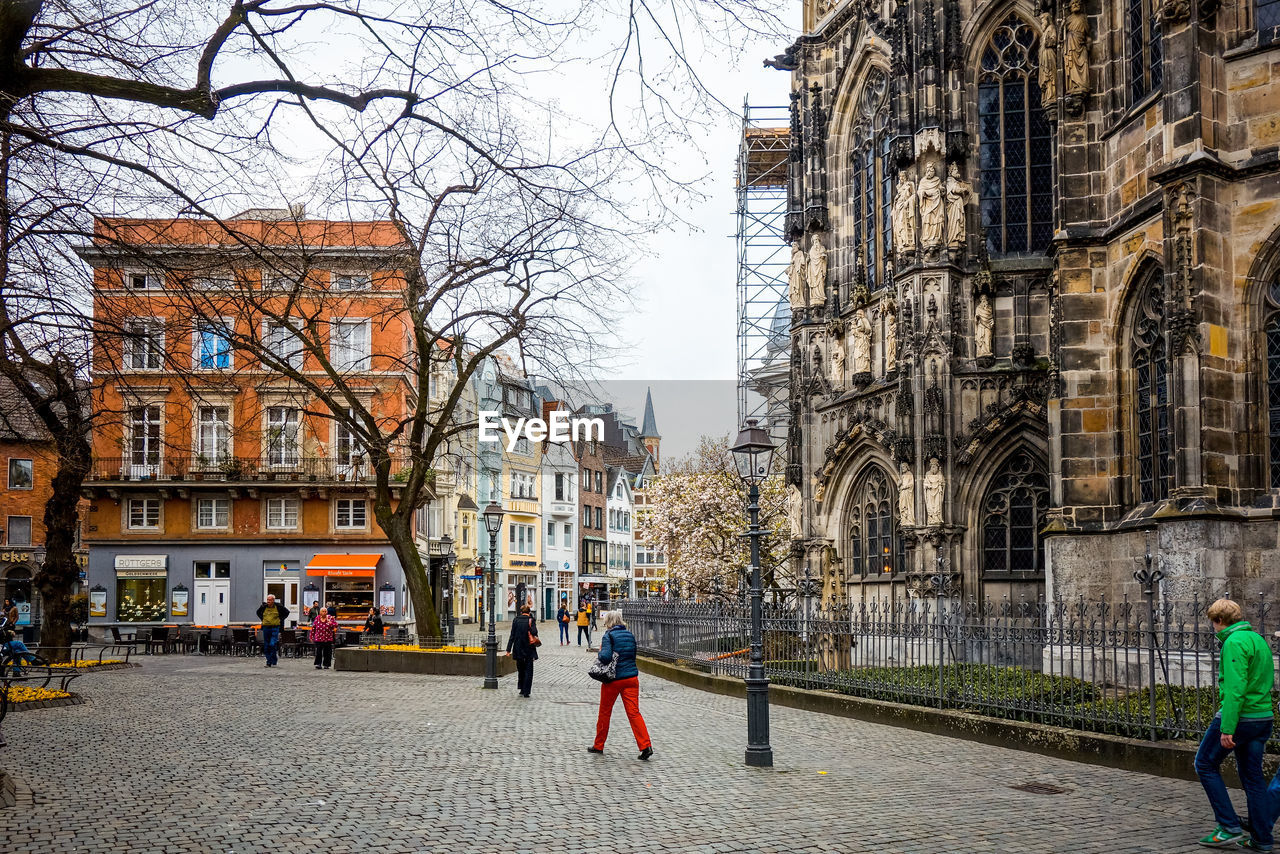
244, 470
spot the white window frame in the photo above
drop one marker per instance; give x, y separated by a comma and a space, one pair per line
220, 451
220, 282
344, 281
551, 533
151, 281
350, 507
218, 507
147, 505
31, 480
147, 460
287, 332
144, 344
221, 328
283, 508
282, 453
346, 354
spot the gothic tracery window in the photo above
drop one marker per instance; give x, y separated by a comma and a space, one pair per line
1150, 363
874, 547
1145, 64
872, 190
1014, 155
1272, 331
1267, 21
1013, 514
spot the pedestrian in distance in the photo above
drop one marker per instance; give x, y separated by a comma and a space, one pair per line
584, 625
11, 613
1242, 726
619, 639
10, 644
373, 625
593, 613
313, 611
562, 618
324, 628
272, 614
522, 647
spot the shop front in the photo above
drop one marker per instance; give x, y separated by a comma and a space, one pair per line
348, 583
142, 588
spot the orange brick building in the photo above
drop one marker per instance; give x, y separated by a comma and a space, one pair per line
219, 475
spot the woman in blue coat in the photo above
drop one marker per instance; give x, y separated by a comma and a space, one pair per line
618, 639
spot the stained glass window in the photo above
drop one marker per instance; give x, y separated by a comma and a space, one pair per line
1015, 181
1273, 380
1151, 391
1013, 515
874, 549
1144, 49
872, 190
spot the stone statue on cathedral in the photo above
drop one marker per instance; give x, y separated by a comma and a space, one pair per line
935, 488
837, 362
817, 272
1076, 50
984, 325
795, 277
891, 337
932, 215
860, 331
958, 193
906, 497
1048, 58
904, 216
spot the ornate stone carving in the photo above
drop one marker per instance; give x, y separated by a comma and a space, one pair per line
906, 497
795, 511
837, 362
1075, 56
816, 270
904, 216
1048, 58
860, 331
1175, 11
796, 276
984, 324
935, 488
932, 214
891, 337
958, 193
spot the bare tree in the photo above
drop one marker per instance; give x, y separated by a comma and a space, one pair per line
142, 107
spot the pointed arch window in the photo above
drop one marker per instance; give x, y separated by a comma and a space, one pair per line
1145, 65
872, 191
1014, 151
1272, 330
1267, 14
1013, 516
875, 549
1150, 364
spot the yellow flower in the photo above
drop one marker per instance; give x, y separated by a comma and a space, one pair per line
24, 694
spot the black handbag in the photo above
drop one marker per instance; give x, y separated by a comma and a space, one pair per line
602, 672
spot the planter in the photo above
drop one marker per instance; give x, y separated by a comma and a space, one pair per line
426, 662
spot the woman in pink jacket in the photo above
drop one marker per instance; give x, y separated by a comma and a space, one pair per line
323, 630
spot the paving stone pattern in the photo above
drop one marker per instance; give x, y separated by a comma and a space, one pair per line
221, 755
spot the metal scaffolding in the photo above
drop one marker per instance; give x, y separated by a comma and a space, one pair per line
764, 312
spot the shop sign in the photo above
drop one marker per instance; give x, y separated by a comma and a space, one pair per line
387, 602
97, 603
24, 613
140, 573
133, 564
14, 557
178, 601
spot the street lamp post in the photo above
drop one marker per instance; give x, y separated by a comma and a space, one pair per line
493, 524
753, 454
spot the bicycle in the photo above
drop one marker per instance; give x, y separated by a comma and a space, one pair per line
13, 661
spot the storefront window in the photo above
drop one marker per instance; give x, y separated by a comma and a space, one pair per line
352, 597
141, 600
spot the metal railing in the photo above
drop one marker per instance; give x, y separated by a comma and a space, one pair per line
241, 469
1143, 669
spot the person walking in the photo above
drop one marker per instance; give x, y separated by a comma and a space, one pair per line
11, 613
593, 613
520, 646
324, 628
584, 625
562, 618
272, 614
1242, 726
619, 639
373, 625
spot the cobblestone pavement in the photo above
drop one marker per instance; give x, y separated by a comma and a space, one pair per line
189, 754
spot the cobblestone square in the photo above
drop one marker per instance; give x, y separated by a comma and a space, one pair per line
221, 755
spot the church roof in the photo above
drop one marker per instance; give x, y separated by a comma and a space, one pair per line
649, 428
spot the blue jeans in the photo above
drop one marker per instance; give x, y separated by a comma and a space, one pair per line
1251, 738
271, 643
564, 632
20, 652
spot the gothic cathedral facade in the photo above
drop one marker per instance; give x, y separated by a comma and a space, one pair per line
1035, 287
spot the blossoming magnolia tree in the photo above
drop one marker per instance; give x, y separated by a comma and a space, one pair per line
697, 512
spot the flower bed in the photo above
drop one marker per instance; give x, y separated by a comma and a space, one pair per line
109, 662
403, 658
27, 694
415, 648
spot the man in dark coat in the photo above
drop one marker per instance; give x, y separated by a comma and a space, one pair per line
521, 648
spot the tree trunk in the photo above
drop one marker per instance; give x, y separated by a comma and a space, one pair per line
60, 571
400, 535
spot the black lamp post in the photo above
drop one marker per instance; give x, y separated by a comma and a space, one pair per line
446, 548
493, 524
753, 454
451, 561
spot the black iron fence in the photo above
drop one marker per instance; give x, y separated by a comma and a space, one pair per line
285, 468
1143, 669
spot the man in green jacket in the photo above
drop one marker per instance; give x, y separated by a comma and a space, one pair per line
1242, 726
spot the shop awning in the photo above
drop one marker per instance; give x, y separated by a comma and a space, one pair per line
344, 566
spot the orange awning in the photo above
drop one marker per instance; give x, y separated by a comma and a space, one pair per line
344, 566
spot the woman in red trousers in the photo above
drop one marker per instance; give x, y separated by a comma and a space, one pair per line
618, 639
